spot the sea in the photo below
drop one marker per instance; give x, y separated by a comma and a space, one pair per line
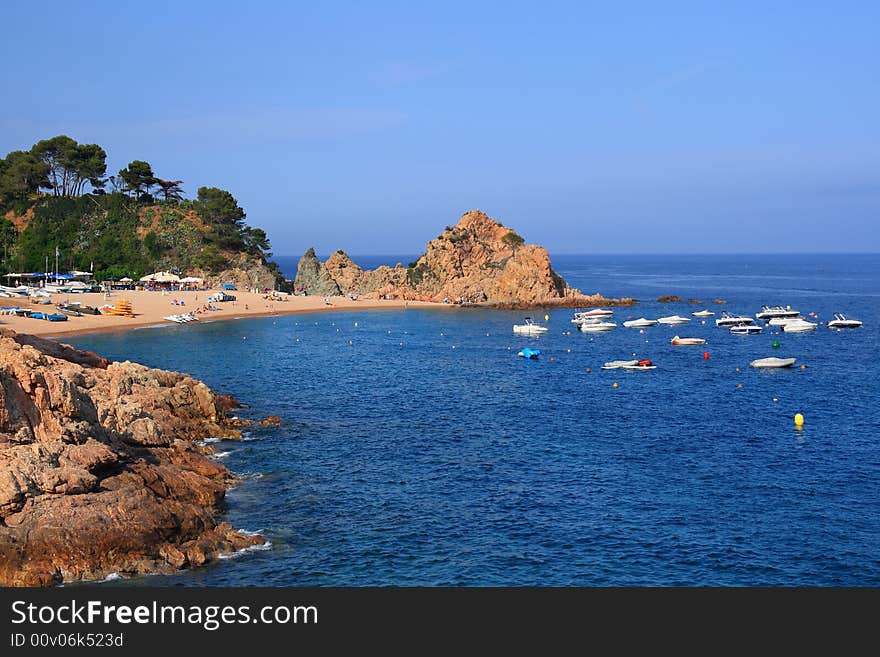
417, 448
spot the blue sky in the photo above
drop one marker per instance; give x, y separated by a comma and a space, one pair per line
588, 127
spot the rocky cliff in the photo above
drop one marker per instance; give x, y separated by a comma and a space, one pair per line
100, 468
478, 261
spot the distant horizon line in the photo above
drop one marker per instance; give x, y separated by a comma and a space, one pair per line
619, 254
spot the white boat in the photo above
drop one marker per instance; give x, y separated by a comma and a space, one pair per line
686, 341
799, 326
640, 322
745, 329
529, 328
596, 326
782, 321
773, 362
703, 313
617, 364
595, 312
673, 319
589, 315
840, 321
770, 312
727, 319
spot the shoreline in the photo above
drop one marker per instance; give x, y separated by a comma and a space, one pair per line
151, 307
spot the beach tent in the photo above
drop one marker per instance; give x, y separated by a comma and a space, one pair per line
161, 277
191, 279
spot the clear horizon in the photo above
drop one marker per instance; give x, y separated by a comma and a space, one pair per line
676, 130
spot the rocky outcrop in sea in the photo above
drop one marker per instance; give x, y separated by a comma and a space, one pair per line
102, 469
477, 262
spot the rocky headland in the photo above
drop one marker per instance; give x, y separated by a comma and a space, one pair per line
476, 262
101, 467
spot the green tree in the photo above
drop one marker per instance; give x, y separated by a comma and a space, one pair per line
137, 178
56, 153
256, 241
219, 209
514, 241
170, 189
71, 165
88, 164
22, 174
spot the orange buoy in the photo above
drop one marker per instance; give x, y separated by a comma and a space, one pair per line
588, 370
614, 385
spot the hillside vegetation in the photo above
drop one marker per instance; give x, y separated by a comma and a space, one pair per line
57, 195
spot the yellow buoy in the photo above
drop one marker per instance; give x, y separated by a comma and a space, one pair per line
546, 318
798, 420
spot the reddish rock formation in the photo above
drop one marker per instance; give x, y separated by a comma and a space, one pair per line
99, 471
479, 261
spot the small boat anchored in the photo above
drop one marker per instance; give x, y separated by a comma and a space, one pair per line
673, 319
677, 341
840, 321
703, 313
596, 326
639, 323
588, 315
798, 326
727, 320
771, 312
745, 329
767, 363
529, 328
617, 364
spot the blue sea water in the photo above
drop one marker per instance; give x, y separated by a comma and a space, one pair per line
417, 449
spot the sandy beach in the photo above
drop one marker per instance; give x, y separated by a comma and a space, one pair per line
150, 308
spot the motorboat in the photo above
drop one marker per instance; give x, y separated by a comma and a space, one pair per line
677, 341
639, 323
596, 313
617, 364
840, 321
771, 312
799, 326
673, 319
529, 328
55, 317
703, 313
596, 326
773, 362
745, 329
782, 321
640, 365
727, 319
529, 353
